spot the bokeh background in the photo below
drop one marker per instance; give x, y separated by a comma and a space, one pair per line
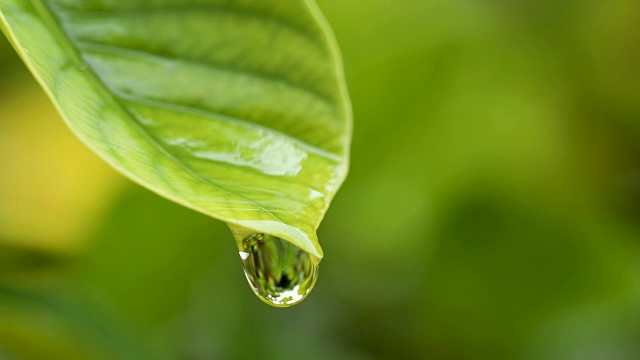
492, 210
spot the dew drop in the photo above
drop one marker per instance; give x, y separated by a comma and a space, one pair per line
280, 273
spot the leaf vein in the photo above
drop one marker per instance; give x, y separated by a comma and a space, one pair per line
122, 51
203, 8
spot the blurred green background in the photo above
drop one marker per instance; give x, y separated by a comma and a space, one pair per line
492, 209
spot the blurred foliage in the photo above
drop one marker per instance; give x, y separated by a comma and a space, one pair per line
491, 210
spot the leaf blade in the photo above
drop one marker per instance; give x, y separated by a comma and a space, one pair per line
259, 144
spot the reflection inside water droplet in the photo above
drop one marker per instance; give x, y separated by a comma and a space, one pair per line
280, 273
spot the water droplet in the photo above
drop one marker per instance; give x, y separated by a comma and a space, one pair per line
280, 273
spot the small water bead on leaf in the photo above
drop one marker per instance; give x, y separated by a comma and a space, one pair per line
280, 273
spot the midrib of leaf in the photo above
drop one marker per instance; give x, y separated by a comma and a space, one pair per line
160, 104
63, 39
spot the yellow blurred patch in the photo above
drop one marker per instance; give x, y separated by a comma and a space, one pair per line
53, 190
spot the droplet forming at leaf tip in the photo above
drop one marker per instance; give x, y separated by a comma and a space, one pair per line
280, 273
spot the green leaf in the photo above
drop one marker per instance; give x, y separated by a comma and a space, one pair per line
234, 108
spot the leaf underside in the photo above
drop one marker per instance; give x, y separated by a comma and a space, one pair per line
235, 108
